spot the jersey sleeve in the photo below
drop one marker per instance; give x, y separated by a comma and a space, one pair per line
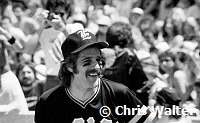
40, 111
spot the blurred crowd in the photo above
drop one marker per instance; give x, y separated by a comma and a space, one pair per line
163, 36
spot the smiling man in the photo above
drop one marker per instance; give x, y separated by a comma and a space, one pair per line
84, 95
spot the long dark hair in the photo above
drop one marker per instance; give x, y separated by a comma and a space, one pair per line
53, 5
174, 29
64, 74
119, 33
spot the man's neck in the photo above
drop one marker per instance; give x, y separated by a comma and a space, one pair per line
82, 93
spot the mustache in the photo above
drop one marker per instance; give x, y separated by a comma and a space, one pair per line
25, 79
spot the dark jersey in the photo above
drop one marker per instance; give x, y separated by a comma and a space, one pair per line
59, 106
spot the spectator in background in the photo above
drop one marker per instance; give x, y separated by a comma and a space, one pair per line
6, 10
190, 30
31, 86
165, 8
178, 17
101, 2
149, 6
103, 22
168, 30
123, 7
34, 8
179, 73
191, 66
145, 26
54, 30
126, 68
27, 24
9, 31
48, 34
168, 97
82, 4
194, 10
185, 4
11, 94
78, 16
135, 17
170, 33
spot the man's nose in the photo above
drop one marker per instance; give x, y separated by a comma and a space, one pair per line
26, 74
97, 65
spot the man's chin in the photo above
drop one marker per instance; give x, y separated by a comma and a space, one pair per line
93, 80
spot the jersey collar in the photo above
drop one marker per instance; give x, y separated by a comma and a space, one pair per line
86, 102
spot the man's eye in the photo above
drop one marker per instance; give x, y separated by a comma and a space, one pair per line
86, 63
100, 61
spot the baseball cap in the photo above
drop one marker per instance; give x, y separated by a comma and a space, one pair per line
137, 10
103, 20
79, 41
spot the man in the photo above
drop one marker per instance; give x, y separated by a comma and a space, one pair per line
31, 86
48, 36
126, 68
53, 33
27, 24
84, 95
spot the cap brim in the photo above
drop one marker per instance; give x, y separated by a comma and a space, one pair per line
100, 45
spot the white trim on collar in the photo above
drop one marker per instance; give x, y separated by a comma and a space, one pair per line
86, 102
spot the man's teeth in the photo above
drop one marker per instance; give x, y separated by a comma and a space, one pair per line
93, 74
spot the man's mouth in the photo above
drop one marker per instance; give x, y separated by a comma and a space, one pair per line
93, 73
25, 79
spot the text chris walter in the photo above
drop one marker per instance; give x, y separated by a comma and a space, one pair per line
160, 110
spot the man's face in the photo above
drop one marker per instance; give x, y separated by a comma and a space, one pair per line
134, 18
26, 76
88, 67
61, 12
18, 12
167, 63
5, 23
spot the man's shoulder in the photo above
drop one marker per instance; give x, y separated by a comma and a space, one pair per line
52, 92
118, 91
114, 86
129, 55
